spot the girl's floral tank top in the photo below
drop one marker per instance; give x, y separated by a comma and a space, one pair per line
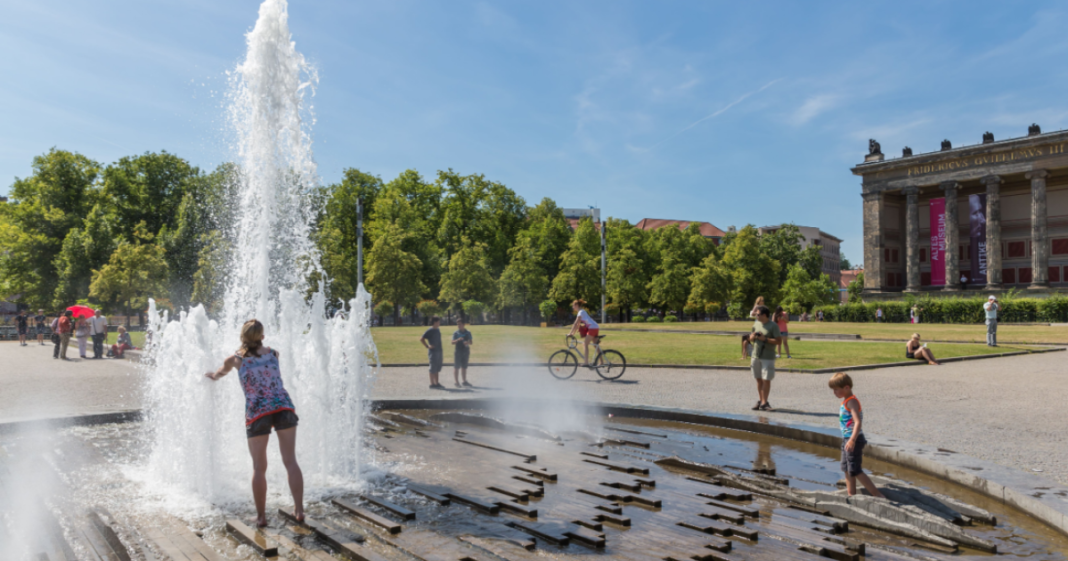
262, 381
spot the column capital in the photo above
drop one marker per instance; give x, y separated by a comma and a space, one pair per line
873, 196
1037, 174
991, 180
948, 186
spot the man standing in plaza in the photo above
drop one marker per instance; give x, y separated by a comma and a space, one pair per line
98, 330
765, 337
992, 307
879, 315
21, 324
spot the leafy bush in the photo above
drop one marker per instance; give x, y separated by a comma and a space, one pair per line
611, 309
670, 319
384, 309
953, 310
428, 308
692, 309
637, 319
653, 319
474, 309
547, 309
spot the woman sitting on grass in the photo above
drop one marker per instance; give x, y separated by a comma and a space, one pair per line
914, 349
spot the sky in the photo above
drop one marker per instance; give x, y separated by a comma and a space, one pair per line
727, 112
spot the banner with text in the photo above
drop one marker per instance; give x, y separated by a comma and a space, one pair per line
938, 241
977, 248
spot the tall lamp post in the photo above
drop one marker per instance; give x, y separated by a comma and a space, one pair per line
359, 241
604, 269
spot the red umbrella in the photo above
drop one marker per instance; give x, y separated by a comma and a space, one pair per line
82, 311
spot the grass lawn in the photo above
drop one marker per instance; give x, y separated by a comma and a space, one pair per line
498, 343
1021, 334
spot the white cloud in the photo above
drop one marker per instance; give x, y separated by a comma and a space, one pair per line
812, 107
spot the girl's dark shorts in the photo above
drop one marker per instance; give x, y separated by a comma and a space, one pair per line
281, 420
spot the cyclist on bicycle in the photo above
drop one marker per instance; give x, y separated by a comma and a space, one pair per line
587, 328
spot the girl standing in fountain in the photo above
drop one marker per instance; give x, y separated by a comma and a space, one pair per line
267, 405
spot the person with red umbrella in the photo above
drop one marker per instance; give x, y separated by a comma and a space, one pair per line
64, 327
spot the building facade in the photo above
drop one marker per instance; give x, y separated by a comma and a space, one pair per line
989, 216
830, 248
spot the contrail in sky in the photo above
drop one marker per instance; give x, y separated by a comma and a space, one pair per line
717, 113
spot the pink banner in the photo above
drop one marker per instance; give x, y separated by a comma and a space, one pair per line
938, 241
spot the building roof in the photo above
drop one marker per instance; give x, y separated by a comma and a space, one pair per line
822, 233
707, 229
848, 276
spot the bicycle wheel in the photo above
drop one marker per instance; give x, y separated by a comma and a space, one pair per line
610, 365
562, 365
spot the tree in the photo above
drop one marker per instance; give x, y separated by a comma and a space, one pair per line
209, 281
784, 246
548, 309
468, 276
856, 289
711, 282
523, 282
135, 272
83, 252
42, 210
392, 272
336, 232
549, 233
753, 272
473, 309
580, 266
412, 205
843, 261
149, 188
801, 292
481, 211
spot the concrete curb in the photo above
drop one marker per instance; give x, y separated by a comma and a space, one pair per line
74, 421
1041, 498
746, 368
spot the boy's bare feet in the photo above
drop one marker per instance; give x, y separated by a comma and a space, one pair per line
261, 521
299, 516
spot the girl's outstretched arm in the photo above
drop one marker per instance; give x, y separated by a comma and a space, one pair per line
231, 362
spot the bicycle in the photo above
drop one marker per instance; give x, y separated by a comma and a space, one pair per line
609, 364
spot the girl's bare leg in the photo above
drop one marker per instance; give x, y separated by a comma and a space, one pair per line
586, 341
257, 446
786, 345
287, 443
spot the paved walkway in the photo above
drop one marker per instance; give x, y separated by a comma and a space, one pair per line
1006, 410
35, 386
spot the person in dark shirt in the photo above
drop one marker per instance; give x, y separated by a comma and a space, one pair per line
461, 341
39, 320
432, 341
20, 322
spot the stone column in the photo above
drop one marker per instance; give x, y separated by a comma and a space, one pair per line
952, 255
912, 239
1039, 236
993, 231
873, 242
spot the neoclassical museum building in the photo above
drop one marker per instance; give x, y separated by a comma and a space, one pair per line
989, 216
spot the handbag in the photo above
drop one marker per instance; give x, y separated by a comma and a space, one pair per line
55, 338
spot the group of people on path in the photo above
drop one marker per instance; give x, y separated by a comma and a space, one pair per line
461, 344
65, 326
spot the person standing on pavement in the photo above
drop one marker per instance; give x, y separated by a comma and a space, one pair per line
765, 337
21, 322
431, 339
98, 330
878, 315
64, 327
992, 308
39, 322
81, 333
461, 343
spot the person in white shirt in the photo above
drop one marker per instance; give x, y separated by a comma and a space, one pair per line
98, 330
992, 307
587, 328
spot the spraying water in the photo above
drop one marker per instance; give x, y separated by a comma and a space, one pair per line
200, 449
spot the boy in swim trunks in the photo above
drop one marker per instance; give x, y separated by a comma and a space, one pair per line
850, 418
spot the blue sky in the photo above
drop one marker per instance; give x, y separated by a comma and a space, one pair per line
730, 112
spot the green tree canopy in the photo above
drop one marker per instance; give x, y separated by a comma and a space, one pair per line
336, 235
468, 276
753, 272
523, 283
42, 210
626, 280
580, 267
801, 292
711, 282
136, 271
393, 273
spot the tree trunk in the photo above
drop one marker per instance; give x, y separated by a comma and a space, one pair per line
396, 315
